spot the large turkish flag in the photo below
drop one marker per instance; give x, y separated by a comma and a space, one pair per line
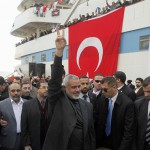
94, 45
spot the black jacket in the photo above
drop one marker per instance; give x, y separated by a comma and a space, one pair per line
63, 117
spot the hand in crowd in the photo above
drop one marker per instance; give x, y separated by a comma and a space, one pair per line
3, 123
28, 148
60, 43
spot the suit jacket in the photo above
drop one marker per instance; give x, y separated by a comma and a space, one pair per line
30, 124
140, 92
9, 133
129, 92
33, 92
4, 94
122, 125
141, 109
63, 117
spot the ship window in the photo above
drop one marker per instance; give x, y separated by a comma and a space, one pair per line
43, 57
33, 58
26, 60
144, 42
53, 55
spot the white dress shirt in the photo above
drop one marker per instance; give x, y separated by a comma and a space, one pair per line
17, 108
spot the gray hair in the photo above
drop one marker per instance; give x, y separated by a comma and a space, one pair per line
69, 77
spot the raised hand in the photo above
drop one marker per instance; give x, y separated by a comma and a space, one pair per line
60, 43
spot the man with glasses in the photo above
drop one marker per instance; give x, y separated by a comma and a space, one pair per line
97, 85
10, 118
115, 123
34, 119
142, 108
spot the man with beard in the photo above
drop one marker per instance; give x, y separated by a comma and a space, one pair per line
34, 119
25, 90
71, 126
86, 95
85, 87
139, 89
10, 110
142, 107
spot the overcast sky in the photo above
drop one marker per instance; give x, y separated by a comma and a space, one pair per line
8, 12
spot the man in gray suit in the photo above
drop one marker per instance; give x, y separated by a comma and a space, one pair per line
10, 110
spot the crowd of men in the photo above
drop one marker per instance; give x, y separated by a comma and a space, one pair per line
70, 113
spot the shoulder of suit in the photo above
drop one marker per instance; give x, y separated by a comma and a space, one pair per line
4, 101
85, 102
124, 98
140, 100
29, 102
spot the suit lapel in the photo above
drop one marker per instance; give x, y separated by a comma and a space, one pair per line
84, 116
10, 108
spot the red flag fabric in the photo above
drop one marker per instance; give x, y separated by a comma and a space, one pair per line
94, 45
59, 1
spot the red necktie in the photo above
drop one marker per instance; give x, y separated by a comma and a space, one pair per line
43, 104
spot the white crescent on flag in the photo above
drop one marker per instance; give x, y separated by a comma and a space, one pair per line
91, 41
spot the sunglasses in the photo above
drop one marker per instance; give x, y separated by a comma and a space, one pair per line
13, 91
98, 81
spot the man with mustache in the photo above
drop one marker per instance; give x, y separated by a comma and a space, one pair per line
71, 126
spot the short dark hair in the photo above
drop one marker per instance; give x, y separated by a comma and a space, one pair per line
99, 74
39, 83
140, 79
120, 75
83, 77
129, 81
109, 80
2, 80
146, 81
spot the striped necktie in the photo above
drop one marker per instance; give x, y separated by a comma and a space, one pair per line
148, 130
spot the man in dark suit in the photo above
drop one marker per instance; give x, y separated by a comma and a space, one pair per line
71, 126
142, 107
86, 94
34, 119
139, 89
10, 110
97, 85
116, 118
3, 89
122, 87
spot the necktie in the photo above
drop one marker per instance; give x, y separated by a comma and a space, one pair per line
43, 104
109, 116
148, 130
84, 97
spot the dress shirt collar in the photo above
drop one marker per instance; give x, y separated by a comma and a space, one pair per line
97, 92
114, 98
20, 102
120, 87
